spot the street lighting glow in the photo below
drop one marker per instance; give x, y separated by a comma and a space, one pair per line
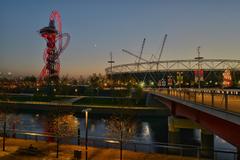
112, 141
142, 84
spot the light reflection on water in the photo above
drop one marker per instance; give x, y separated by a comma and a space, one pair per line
148, 129
146, 132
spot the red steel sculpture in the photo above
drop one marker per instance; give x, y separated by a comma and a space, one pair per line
55, 46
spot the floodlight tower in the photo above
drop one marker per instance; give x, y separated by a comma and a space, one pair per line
199, 58
55, 47
111, 65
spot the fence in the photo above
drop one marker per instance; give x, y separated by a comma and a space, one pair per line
97, 145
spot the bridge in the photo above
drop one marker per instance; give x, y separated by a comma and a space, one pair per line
215, 110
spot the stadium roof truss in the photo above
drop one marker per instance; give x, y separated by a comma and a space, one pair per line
176, 65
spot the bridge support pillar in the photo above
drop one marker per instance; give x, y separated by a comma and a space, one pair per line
238, 153
207, 144
173, 133
174, 136
148, 99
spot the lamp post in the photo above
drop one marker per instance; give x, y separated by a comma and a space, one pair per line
111, 64
86, 133
111, 78
198, 58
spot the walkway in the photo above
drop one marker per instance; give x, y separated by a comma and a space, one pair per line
47, 151
223, 99
192, 105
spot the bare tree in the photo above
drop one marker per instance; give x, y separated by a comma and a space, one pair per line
121, 128
7, 118
64, 126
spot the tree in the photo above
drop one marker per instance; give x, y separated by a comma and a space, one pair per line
7, 119
3, 118
31, 79
64, 80
81, 80
63, 125
121, 128
137, 94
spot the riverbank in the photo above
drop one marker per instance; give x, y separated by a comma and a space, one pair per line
15, 150
96, 109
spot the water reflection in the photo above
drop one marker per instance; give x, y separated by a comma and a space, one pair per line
147, 129
146, 133
121, 128
63, 125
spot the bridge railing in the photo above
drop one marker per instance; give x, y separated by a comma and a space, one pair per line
223, 99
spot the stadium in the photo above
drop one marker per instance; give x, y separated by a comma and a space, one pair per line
180, 73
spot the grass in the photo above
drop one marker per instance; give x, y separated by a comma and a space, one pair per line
30, 98
103, 101
111, 101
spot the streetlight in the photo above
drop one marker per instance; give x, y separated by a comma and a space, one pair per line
142, 84
198, 58
111, 65
76, 90
111, 78
86, 125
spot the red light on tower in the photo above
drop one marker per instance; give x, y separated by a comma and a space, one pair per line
54, 39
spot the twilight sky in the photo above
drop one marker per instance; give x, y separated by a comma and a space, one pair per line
100, 26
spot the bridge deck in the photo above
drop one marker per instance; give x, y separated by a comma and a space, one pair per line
220, 121
232, 117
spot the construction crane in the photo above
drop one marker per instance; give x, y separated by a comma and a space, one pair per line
134, 55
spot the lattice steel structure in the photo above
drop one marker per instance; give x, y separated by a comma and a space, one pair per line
157, 70
176, 65
55, 46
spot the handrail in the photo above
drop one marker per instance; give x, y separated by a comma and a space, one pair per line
226, 100
129, 142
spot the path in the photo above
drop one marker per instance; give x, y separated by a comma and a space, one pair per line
48, 152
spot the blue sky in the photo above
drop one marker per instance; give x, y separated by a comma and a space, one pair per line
99, 27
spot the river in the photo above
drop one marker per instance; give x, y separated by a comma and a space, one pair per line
148, 130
